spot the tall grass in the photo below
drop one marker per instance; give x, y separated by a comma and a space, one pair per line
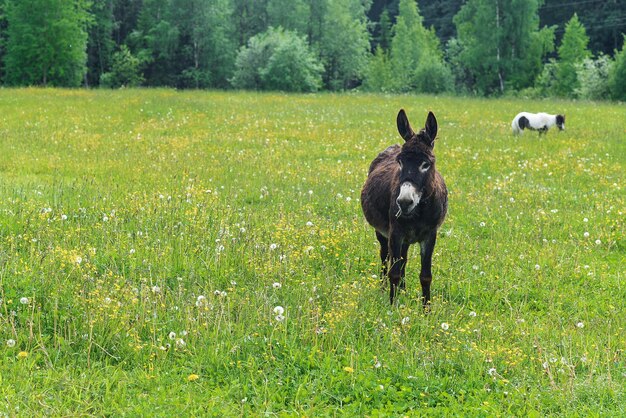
147, 237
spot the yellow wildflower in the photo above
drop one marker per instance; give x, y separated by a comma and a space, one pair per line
193, 377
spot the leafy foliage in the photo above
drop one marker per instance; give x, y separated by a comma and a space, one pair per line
125, 71
572, 51
593, 78
617, 76
501, 44
277, 60
344, 46
492, 47
415, 60
46, 42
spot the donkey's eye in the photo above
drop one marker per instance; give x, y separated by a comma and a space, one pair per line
399, 163
424, 167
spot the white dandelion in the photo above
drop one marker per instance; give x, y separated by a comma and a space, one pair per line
201, 301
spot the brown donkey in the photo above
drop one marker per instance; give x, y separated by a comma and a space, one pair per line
405, 199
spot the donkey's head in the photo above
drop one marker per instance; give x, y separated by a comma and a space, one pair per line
416, 160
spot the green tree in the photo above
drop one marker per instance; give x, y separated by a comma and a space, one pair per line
221, 47
315, 29
572, 51
593, 77
384, 30
379, 74
3, 35
155, 42
416, 56
501, 43
124, 72
344, 46
617, 74
250, 18
207, 45
186, 43
46, 42
100, 45
277, 60
290, 14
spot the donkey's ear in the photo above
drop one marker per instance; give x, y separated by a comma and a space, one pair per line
404, 127
431, 127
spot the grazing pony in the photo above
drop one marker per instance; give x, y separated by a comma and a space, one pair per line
537, 122
405, 199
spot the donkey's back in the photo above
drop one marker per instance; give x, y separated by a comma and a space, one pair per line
376, 196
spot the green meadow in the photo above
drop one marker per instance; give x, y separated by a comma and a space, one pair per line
204, 254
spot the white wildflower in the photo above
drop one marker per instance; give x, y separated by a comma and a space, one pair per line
201, 301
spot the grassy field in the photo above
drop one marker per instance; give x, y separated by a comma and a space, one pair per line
147, 238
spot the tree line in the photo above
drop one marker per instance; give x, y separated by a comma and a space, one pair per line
481, 47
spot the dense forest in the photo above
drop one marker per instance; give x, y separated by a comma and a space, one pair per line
571, 48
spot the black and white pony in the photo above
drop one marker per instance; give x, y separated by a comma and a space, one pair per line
537, 122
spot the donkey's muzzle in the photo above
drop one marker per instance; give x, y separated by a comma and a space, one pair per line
408, 199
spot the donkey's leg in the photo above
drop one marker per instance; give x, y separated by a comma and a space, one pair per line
404, 253
384, 256
397, 264
426, 276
